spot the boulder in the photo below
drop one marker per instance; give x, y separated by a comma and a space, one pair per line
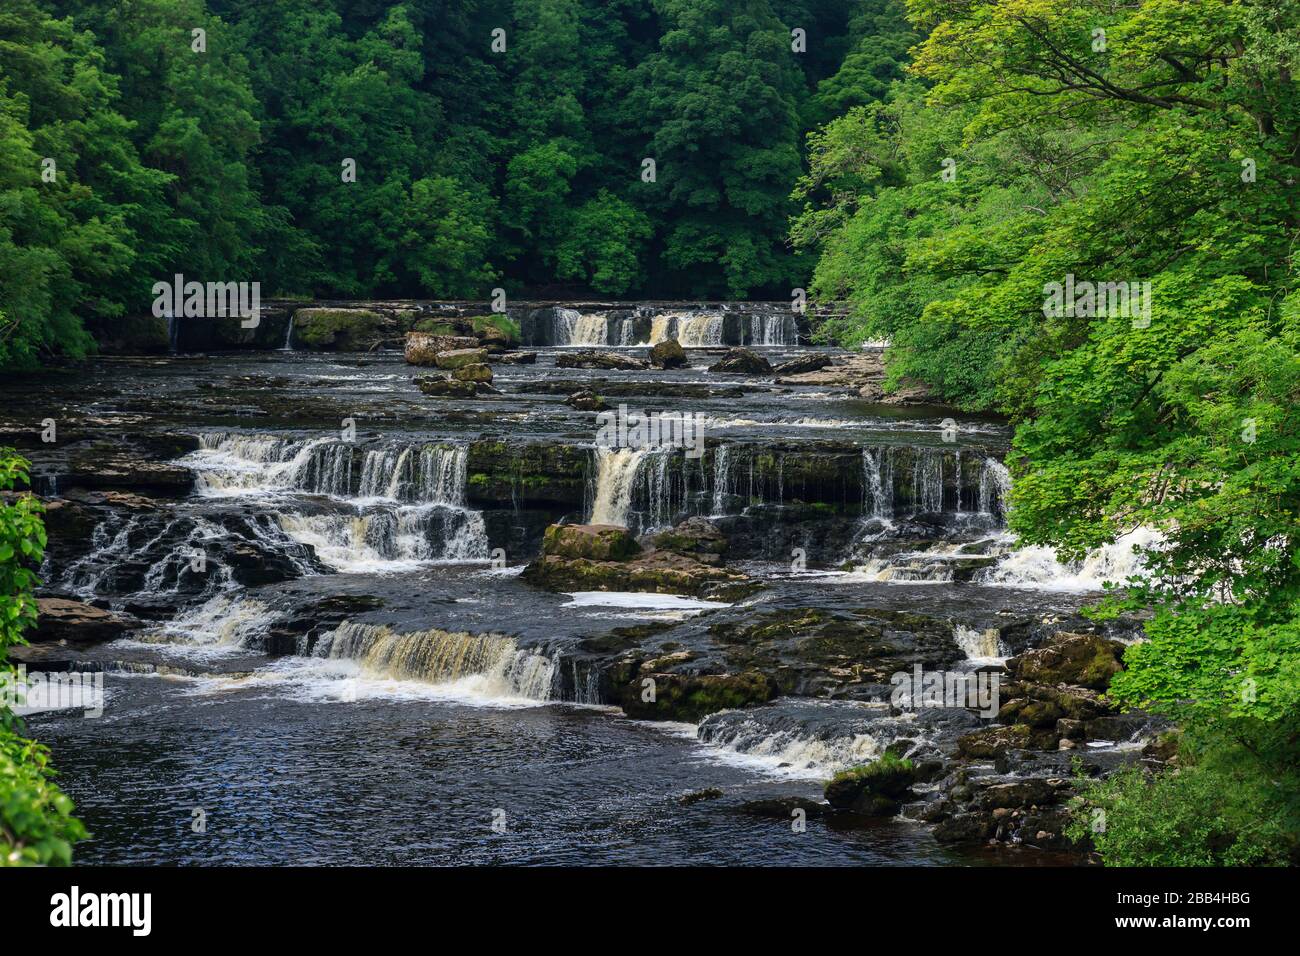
694, 536
600, 542
668, 354
661, 572
458, 358
349, 330
784, 808
516, 358
1083, 659
994, 741
873, 789
422, 348
603, 360
966, 828
690, 697
742, 361
59, 619
472, 373
586, 401
813, 362
447, 388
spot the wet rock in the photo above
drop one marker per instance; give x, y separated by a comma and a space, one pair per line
60, 619
422, 348
458, 358
586, 401
661, 572
842, 653
1021, 793
349, 330
690, 697
668, 354
604, 360
635, 389
1083, 659
515, 358
1123, 727
784, 808
994, 741
812, 362
875, 789
966, 828
533, 475
600, 542
906, 393
694, 536
708, 793
742, 361
447, 388
473, 373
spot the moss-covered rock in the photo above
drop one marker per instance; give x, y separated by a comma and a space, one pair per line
994, 741
473, 373
496, 327
690, 697
872, 789
458, 358
693, 536
348, 330
447, 388
1083, 659
422, 348
600, 542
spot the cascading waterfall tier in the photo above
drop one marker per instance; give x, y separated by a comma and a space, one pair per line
396, 504
495, 663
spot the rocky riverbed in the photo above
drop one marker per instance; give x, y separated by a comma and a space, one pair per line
365, 576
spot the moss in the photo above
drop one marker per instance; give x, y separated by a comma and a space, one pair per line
347, 329
887, 764
498, 321
436, 326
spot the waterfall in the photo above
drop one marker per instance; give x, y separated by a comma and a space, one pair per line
878, 483
409, 504
576, 328
767, 329
979, 645
700, 330
721, 478
616, 473
288, 336
661, 328
492, 663
995, 482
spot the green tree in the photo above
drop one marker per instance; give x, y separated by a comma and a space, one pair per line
36, 823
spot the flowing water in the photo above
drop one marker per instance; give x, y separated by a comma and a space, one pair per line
341, 664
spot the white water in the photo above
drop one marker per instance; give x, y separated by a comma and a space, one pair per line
638, 600
616, 471
979, 646
575, 328
489, 666
1037, 567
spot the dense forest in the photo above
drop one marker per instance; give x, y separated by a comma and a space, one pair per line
356, 148
934, 166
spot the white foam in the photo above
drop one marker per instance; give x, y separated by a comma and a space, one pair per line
640, 601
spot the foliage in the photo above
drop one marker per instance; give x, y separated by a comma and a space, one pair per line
1046, 141
1200, 815
36, 822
